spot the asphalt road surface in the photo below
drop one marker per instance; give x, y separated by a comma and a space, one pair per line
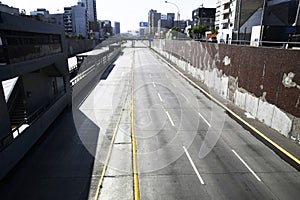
187, 147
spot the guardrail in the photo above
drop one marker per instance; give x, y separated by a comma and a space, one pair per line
101, 61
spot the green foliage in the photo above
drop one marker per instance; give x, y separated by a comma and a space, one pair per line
175, 28
80, 36
198, 31
214, 31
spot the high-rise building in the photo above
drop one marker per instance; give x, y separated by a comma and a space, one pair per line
91, 10
153, 18
80, 18
205, 17
231, 14
117, 28
76, 20
68, 20
236, 18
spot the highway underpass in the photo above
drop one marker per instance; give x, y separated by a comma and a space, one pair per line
144, 132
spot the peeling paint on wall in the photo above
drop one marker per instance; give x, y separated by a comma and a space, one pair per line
287, 80
227, 61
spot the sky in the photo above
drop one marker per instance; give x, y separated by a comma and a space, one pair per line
128, 12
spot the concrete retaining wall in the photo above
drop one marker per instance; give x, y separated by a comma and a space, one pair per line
262, 81
76, 46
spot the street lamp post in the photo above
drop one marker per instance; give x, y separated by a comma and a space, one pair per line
178, 13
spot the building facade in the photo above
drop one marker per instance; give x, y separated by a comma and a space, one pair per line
117, 28
76, 20
68, 20
80, 19
40, 11
34, 80
106, 29
232, 14
6, 9
153, 18
205, 17
91, 10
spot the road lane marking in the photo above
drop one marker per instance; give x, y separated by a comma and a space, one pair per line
274, 144
254, 174
170, 119
122, 74
193, 165
133, 136
159, 97
187, 100
204, 120
154, 85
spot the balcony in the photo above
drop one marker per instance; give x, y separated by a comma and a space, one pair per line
224, 21
226, 11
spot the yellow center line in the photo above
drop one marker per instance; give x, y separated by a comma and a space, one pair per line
233, 113
111, 145
134, 150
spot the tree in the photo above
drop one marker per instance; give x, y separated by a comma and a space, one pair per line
199, 31
175, 28
214, 31
80, 36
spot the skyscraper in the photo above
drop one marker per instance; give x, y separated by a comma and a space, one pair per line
153, 18
117, 28
75, 20
91, 10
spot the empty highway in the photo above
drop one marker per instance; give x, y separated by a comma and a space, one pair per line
144, 132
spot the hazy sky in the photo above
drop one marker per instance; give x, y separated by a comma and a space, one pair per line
128, 12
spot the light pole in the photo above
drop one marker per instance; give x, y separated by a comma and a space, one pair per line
178, 13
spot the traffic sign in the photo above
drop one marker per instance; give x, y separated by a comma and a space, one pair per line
143, 24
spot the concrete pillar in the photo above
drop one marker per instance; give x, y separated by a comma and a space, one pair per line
4, 115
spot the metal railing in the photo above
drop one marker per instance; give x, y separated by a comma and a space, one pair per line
16, 132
